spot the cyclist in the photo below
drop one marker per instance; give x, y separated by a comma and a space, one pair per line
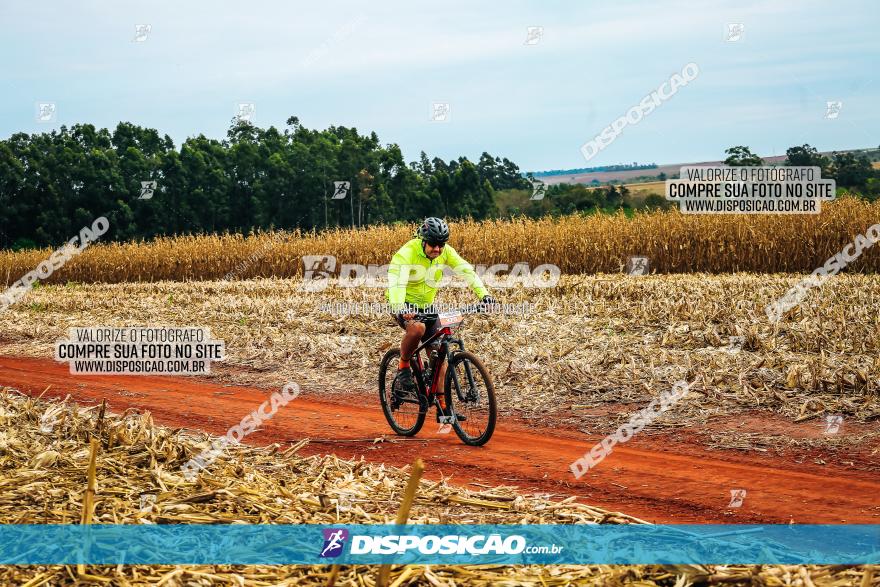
413, 276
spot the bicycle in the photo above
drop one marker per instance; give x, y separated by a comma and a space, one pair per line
464, 395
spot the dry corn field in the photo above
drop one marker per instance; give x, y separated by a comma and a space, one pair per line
590, 341
674, 243
138, 480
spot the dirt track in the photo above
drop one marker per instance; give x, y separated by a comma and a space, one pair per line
654, 477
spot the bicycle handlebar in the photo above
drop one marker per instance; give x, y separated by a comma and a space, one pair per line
478, 308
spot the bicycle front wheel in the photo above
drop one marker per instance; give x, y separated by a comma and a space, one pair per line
403, 412
470, 393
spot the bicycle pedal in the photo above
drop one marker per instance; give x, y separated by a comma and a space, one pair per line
446, 419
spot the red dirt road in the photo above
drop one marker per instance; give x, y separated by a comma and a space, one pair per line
651, 477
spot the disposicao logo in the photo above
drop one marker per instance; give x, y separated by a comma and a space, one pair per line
334, 542
450, 544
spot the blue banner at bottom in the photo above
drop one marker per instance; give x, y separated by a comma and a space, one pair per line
586, 544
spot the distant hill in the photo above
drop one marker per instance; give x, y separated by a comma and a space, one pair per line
579, 170
630, 173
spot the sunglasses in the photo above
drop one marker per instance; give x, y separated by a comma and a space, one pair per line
432, 245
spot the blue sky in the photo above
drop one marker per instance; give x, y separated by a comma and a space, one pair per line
381, 66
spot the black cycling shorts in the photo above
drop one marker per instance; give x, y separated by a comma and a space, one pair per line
431, 326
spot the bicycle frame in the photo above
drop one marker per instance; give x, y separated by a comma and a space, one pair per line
446, 340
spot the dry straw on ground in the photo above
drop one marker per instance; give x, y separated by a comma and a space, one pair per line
675, 243
44, 449
590, 343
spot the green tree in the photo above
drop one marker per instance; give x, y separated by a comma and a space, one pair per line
12, 176
851, 170
656, 202
741, 156
805, 156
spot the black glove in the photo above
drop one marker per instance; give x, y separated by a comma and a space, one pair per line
488, 303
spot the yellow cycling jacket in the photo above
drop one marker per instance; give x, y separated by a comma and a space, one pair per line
413, 277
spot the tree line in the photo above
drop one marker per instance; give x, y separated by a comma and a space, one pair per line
52, 184
851, 171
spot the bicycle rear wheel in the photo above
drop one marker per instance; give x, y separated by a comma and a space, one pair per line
469, 392
403, 411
